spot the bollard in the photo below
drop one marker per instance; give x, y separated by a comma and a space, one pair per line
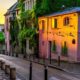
12, 74
58, 60
2, 65
7, 69
30, 74
45, 72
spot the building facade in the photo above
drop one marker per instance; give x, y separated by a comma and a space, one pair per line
59, 35
13, 12
9, 16
29, 4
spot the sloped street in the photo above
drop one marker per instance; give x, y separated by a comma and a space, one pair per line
22, 67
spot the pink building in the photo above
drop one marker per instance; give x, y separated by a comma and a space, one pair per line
7, 35
8, 17
59, 35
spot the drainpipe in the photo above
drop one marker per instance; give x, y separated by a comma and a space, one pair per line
47, 40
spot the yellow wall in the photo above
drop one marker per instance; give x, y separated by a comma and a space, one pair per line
62, 33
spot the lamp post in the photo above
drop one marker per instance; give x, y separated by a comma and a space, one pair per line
47, 38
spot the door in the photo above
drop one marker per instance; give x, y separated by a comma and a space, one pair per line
50, 51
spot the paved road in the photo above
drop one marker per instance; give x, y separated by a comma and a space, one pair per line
22, 67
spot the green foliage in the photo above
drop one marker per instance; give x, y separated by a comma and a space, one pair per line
64, 50
42, 7
14, 29
2, 37
50, 6
27, 34
27, 22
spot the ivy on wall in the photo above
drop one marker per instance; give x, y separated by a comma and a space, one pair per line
28, 24
2, 37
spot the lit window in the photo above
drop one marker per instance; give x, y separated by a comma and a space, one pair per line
55, 23
43, 25
66, 21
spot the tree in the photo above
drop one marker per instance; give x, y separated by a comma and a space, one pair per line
2, 37
50, 6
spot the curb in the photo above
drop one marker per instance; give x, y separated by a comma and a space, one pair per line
55, 67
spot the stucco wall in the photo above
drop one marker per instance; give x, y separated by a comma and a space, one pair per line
60, 35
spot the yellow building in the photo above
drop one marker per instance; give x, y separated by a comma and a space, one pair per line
59, 35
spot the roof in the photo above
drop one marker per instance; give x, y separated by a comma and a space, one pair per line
66, 11
11, 9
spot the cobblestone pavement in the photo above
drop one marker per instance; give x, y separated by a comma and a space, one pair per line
3, 76
22, 67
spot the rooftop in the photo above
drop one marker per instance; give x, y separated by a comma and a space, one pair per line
11, 9
66, 11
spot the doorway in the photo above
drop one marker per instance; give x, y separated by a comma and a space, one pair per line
50, 51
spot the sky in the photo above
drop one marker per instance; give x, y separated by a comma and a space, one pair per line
4, 5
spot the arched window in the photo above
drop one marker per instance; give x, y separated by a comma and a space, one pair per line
66, 21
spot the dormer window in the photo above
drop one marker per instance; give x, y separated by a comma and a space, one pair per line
66, 21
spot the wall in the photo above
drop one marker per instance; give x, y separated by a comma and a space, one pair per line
7, 35
60, 35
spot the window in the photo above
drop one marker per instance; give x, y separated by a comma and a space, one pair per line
66, 21
53, 46
73, 41
64, 49
55, 23
43, 25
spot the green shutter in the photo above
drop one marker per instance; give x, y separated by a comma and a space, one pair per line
53, 48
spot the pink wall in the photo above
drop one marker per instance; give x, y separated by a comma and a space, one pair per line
7, 40
50, 34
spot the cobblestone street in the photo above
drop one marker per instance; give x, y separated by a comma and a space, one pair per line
3, 76
22, 67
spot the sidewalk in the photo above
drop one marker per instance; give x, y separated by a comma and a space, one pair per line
73, 68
